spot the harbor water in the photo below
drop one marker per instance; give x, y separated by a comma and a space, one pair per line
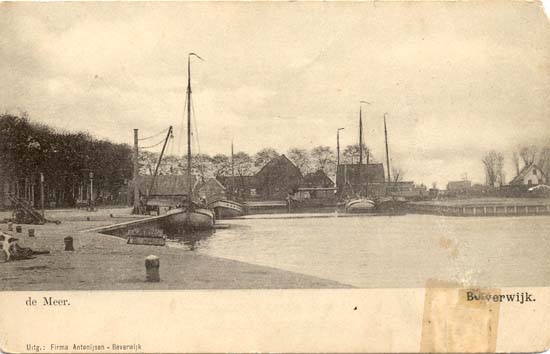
392, 251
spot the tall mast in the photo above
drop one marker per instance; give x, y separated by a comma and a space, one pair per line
232, 172
136, 172
337, 149
152, 185
190, 187
360, 150
367, 174
360, 138
387, 153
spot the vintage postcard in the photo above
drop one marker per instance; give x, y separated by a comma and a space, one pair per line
198, 177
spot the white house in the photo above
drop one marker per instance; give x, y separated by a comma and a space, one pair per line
530, 175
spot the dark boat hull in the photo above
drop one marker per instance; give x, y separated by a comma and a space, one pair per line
178, 221
391, 205
360, 206
227, 208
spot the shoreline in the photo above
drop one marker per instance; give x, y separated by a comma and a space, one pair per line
104, 262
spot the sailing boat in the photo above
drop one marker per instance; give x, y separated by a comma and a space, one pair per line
189, 217
228, 208
389, 203
362, 204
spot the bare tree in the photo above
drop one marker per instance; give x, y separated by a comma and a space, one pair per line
528, 154
221, 165
397, 174
494, 163
243, 164
500, 170
515, 161
203, 165
323, 158
544, 162
262, 157
147, 162
351, 154
171, 165
301, 159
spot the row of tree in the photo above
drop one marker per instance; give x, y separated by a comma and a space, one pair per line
493, 162
65, 159
318, 158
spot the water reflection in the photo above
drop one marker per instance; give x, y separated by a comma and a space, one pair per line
392, 251
193, 240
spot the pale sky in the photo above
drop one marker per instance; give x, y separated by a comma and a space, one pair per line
456, 78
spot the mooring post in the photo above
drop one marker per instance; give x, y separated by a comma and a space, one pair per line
31, 232
289, 204
152, 265
10, 226
68, 243
18, 229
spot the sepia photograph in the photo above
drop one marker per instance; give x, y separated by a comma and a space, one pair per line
170, 149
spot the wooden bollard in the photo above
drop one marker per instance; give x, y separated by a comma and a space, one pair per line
152, 265
10, 226
68, 243
87, 218
18, 229
31, 232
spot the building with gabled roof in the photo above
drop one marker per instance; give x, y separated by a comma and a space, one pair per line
278, 178
211, 189
165, 184
317, 179
274, 181
239, 187
352, 179
530, 175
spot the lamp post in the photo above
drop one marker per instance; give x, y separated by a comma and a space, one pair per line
338, 154
361, 133
92, 191
42, 192
338, 146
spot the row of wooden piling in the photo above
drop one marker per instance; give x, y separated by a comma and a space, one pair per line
480, 210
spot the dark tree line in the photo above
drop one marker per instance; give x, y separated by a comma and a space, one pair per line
64, 158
